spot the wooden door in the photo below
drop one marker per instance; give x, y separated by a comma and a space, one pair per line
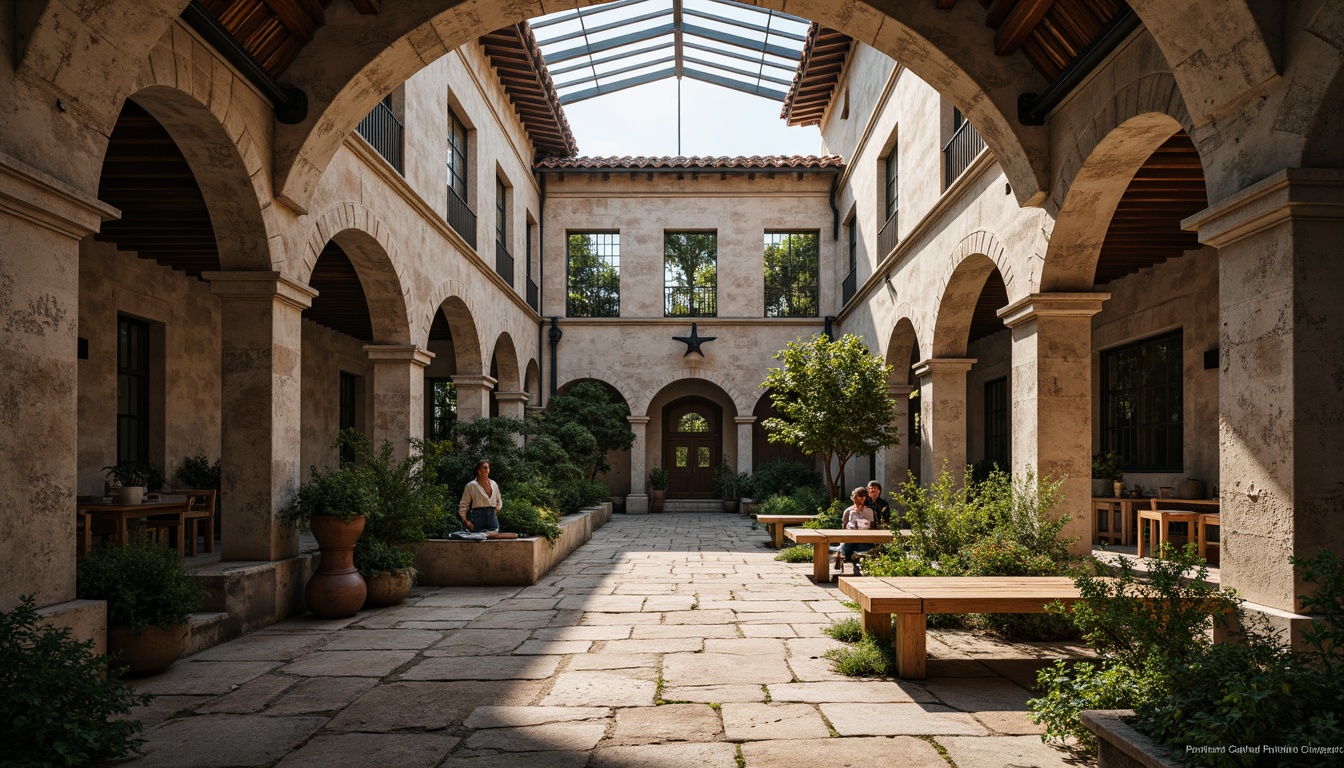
692, 441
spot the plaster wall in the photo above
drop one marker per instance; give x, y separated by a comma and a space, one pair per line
184, 360
1180, 293
326, 354
993, 360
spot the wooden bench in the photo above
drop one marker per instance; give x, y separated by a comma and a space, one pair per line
776, 524
909, 600
821, 540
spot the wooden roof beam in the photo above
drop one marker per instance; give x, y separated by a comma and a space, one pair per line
1019, 24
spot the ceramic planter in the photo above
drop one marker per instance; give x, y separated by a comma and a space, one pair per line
1101, 488
389, 587
131, 494
147, 653
336, 590
730, 505
656, 501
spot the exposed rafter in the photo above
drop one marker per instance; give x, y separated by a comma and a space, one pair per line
517, 59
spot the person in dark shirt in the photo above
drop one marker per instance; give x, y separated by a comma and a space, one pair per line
881, 509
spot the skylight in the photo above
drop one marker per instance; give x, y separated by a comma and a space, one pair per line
595, 51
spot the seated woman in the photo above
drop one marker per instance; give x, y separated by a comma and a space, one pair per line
858, 516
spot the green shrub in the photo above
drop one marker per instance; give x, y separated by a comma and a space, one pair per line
846, 630
781, 477
1070, 689
830, 517
58, 704
373, 556
867, 658
801, 553
142, 582
892, 561
197, 473
408, 500
343, 492
999, 556
527, 519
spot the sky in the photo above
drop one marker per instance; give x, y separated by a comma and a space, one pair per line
714, 121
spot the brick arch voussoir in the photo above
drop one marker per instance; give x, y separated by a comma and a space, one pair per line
354, 217
641, 406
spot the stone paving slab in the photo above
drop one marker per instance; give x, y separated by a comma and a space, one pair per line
900, 719
480, 642
163, 707
426, 705
588, 689
203, 677
219, 741
666, 724
250, 697
384, 639
575, 736
320, 694
715, 694
349, 663
404, 750
513, 717
998, 751
852, 691
710, 755
268, 647
483, 668
905, 751
723, 668
760, 722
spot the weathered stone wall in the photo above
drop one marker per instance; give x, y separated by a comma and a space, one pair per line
327, 354
993, 360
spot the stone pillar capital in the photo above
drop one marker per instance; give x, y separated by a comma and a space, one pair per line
900, 390
1036, 305
637, 420
476, 380
260, 285
36, 196
393, 353
740, 420
934, 365
1310, 193
513, 397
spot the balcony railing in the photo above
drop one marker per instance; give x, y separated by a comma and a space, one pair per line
533, 295
849, 286
700, 301
964, 146
504, 262
886, 238
791, 301
383, 130
461, 219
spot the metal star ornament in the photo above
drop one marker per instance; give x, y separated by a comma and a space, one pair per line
694, 341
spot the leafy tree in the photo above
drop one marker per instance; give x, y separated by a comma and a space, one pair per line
791, 275
589, 407
594, 282
690, 267
832, 400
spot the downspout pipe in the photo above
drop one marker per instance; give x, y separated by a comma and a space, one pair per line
541, 275
1033, 108
835, 207
555, 334
290, 103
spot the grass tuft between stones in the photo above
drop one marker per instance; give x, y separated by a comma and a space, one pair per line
795, 554
942, 751
847, 630
866, 658
739, 759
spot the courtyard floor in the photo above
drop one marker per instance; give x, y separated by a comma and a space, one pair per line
668, 641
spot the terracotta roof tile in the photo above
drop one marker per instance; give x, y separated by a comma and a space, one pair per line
518, 61
768, 162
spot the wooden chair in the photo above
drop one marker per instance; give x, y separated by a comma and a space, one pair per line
199, 519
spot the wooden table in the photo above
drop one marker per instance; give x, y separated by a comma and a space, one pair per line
776, 525
122, 514
821, 540
1165, 518
910, 599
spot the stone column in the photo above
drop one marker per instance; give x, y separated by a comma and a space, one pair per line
895, 461
41, 223
514, 406
744, 442
637, 503
1051, 411
261, 340
1281, 354
942, 402
473, 396
398, 394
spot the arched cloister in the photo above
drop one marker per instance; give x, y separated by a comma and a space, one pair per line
620, 476
900, 461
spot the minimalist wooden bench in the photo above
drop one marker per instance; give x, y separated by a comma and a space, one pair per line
909, 600
776, 524
821, 540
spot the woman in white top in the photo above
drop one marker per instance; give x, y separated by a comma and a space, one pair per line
859, 516
479, 507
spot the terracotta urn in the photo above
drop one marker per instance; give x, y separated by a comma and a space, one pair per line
148, 653
389, 587
656, 501
336, 590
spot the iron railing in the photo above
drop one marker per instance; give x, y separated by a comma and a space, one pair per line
964, 146
849, 286
886, 238
699, 301
383, 130
533, 295
504, 262
461, 219
791, 301
594, 301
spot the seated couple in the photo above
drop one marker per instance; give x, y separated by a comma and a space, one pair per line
869, 510
479, 508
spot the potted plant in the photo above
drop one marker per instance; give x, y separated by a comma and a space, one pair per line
747, 492
333, 504
725, 484
150, 596
409, 501
1106, 474
659, 479
132, 477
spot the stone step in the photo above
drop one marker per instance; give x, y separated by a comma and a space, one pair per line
692, 505
206, 630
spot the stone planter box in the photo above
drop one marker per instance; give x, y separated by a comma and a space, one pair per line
1119, 745
505, 562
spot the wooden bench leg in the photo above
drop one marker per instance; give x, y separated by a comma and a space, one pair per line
777, 533
821, 562
878, 625
911, 653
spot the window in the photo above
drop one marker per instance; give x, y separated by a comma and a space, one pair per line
593, 267
440, 408
791, 274
850, 284
996, 422
501, 212
1141, 404
690, 274
693, 422
891, 177
457, 156
348, 399
132, 390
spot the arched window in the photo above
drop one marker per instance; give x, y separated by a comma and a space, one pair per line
693, 422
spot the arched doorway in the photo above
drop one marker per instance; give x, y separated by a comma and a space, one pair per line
692, 440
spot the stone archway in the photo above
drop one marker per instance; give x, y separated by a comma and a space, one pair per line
900, 461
